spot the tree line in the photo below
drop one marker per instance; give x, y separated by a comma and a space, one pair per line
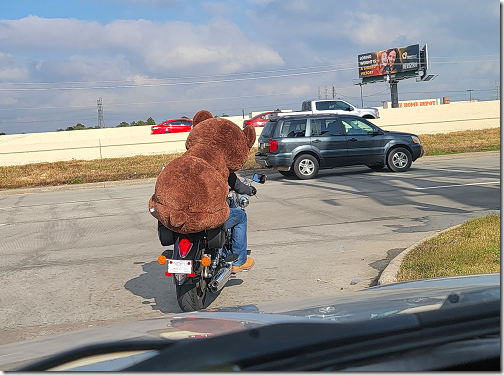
79, 126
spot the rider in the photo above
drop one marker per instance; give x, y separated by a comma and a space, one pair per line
238, 220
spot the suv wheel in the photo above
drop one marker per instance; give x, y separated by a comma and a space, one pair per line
306, 166
399, 160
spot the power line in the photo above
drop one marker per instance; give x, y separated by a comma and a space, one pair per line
186, 77
175, 84
161, 102
455, 59
226, 98
161, 84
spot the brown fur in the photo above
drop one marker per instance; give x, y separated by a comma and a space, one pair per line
190, 193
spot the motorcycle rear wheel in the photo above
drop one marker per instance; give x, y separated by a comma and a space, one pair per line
191, 297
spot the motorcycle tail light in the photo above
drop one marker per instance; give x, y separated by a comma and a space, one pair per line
273, 145
184, 247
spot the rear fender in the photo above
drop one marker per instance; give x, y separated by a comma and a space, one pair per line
195, 253
306, 149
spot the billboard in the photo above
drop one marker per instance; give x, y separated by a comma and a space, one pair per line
389, 61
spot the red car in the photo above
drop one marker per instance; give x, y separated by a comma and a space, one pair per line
259, 120
178, 125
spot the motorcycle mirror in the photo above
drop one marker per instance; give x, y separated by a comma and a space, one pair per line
261, 178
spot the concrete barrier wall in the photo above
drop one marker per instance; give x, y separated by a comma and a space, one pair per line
443, 118
19, 149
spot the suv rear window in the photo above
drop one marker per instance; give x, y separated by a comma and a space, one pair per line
284, 128
268, 129
292, 128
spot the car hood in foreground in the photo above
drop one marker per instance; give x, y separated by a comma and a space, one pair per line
365, 305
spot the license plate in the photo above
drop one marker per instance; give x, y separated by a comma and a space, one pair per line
179, 266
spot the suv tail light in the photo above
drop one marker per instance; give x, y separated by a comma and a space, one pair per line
273, 145
184, 247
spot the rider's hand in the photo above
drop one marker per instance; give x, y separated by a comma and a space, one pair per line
254, 190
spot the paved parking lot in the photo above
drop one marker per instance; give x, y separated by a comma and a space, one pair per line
86, 255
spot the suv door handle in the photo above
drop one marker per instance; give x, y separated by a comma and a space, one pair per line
316, 141
353, 139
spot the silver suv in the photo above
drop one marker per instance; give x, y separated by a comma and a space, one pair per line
301, 144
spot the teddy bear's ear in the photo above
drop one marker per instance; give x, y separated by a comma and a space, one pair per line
201, 116
250, 135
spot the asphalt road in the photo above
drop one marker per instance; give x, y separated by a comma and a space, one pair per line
83, 256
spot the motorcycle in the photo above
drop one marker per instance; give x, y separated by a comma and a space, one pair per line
201, 263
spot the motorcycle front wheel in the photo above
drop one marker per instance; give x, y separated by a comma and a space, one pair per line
191, 297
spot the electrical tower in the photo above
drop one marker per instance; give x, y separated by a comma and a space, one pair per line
497, 90
101, 122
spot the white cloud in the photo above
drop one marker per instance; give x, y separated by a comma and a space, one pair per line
9, 72
158, 46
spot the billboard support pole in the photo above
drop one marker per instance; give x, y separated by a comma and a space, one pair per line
394, 95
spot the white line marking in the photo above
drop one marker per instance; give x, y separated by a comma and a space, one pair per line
2, 224
452, 170
449, 186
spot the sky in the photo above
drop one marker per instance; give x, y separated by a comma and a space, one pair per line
171, 58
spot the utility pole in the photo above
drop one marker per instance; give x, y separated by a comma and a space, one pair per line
325, 89
333, 92
470, 95
360, 83
101, 123
319, 95
497, 90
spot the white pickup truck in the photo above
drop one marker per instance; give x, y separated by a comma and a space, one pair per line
336, 106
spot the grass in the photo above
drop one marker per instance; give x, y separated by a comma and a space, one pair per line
83, 171
463, 141
472, 248
147, 166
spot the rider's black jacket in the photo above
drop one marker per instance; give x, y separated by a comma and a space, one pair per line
238, 186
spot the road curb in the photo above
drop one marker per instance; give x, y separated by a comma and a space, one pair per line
388, 275
89, 185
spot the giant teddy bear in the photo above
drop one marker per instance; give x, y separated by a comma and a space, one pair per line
190, 193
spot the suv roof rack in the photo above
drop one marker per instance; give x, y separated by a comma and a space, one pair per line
277, 116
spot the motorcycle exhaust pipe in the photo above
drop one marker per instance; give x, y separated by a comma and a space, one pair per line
220, 279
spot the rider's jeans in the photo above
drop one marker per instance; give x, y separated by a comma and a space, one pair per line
238, 219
